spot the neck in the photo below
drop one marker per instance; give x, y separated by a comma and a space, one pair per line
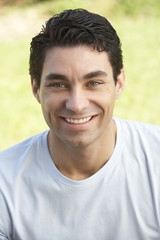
79, 163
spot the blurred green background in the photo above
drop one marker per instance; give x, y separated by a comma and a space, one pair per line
138, 25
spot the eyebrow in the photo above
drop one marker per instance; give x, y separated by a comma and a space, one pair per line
56, 76
95, 74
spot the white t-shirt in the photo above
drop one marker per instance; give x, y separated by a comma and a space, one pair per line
119, 202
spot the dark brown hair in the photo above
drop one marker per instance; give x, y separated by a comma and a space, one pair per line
73, 28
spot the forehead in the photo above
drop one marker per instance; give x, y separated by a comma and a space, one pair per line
78, 60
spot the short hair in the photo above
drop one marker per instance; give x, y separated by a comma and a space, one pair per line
74, 28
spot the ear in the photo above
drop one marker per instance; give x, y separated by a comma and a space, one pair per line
35, 89
120, 84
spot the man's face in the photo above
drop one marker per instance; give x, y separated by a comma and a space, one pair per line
77, 94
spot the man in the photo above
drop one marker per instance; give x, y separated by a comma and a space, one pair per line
91, 176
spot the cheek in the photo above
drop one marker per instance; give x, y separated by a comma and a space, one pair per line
52, 102
107, 104
106, 98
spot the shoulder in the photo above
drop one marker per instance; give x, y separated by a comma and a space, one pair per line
12, 158
140, 138
141, 143
17, 168
23, 146
139, 129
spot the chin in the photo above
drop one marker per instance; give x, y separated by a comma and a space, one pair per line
78, 143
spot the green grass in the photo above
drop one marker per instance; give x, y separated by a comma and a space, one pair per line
21, 115
141, 98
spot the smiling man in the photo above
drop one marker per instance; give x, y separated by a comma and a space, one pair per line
90, 176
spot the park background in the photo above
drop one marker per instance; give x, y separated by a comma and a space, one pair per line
138, 25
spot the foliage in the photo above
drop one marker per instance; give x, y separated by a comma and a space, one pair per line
117, 7
135, 8
19, 2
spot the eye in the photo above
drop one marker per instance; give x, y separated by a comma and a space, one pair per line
94, 83
57, 85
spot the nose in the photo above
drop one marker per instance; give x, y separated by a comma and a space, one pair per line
77, 101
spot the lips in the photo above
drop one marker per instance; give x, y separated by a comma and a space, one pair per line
78, 121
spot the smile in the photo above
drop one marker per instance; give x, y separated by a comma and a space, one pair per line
78, 121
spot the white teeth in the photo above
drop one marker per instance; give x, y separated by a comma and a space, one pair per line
78, 121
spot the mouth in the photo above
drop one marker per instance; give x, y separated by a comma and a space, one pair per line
78, 120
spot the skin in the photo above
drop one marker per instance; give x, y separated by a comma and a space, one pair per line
77, 83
